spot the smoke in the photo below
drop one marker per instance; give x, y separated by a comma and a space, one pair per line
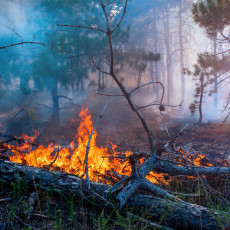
27, 20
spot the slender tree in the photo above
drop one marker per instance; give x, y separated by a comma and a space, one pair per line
214, 17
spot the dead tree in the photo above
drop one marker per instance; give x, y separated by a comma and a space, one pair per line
183, 215
153, 162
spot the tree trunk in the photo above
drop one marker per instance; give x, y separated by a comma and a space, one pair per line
215, 83
56, 111
156, 51
162, 68
170, 213
139, 78
181, 53
99, 80
168, 54
201, 98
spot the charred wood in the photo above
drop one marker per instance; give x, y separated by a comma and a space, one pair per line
179, 214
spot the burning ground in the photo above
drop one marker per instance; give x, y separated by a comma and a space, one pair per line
63, 149
204, 146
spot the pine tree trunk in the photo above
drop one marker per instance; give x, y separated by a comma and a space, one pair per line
156, 51
201, 99
181, 52
168, 54
215, 82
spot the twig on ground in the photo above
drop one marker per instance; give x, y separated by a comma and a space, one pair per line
27, 225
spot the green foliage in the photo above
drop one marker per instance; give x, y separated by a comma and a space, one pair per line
102, 222
139, 58
202, 79
58, 219
212, 15
123, 222
193, 108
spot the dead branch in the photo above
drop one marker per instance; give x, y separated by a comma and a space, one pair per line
171, 142
171, 169
88, 145
14, 113
154, 104
84, 27
22, 43
110, 95
137, 180
179, 214
50, 165
24, 224
149, 83
46, 106
65, 97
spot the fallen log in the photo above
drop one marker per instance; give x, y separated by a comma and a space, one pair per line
179, 215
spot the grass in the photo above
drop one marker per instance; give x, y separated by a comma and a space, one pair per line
55, 210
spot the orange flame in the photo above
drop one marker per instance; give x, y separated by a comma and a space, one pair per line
72, 160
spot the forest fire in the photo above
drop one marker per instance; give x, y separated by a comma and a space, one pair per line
153, 63
72, 160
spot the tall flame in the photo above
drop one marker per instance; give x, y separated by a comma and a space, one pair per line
72, 160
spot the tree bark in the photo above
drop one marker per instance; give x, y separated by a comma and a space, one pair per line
179, 215
168, 54
201, 98
181, 42
139, 78
156, 88
99, 80
215, 83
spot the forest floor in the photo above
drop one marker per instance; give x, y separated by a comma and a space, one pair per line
119, 126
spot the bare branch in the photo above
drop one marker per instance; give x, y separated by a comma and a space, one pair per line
168, 132
88, 145
166, 167
151, 82
65, 97
110, 95
46, 106
22, 43
153, 104
98, 68
170, 143
122, 17
85, 27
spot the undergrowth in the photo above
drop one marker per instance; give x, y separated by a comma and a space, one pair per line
55, 210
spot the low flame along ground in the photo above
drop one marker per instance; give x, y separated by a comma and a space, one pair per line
72, 160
